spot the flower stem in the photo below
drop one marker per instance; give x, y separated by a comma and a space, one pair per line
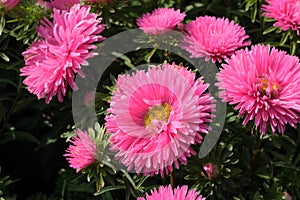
172, 179
7, 118
257, 143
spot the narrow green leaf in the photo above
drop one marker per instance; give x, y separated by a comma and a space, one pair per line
129, 178
284, 38
269, 30
253, 13
110, 188
2, 24
293, 48
18, 135
4, 57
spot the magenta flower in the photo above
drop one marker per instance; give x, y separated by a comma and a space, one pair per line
264, 84
211, 170
58, 4
155, 119
285, 12
213, 38
160, 20
52, 62
8, 4
100, 1
82, 151
166, 193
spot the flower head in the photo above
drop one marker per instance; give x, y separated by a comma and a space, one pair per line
100, 1
58, 4
52, 62
264, 84
8, 4
211, 171
82, 151
155, 119
285, 12
160, 20
287, 196
180, 193
213, 38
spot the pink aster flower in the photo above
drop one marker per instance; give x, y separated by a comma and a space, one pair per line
213, 38
100, 1
160, 20
63, 4
58, 4
82, 151
8, 4
155, 119
211, 170
52, 62
264, 84
285, 12
287, 196
166, 193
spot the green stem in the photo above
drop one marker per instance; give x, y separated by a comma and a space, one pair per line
257, 143
154, 4
172, 182
7, 118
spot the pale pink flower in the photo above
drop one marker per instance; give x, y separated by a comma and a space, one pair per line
211, 170
89, 98
43, 3
81, 153
166, 193
160, 20
285, 12
8, 4
52, 62
213, 38
287, 196
154, 119
264, 85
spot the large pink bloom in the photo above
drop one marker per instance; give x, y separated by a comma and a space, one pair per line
166, 193
52, 62
285, 12
264, 83
156, 116
82, 151
213, 38
8, 4
160, 20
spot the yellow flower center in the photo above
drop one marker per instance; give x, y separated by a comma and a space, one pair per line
267, 87
158, 112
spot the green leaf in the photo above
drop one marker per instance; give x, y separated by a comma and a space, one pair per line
127, 61
284, 38
129, 178
253, 13
269, 30
293, 48
110, 188
276, 142
2, 24
8, 81
249, 3
18, 135
4, 57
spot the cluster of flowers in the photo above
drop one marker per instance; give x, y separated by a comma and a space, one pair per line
58, 4
154, 120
